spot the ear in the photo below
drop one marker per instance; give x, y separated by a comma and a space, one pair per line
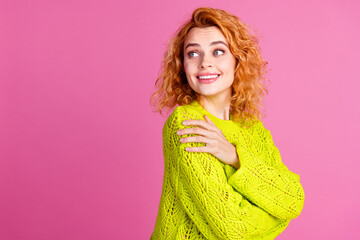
207, 119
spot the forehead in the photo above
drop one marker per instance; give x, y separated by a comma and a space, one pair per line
204, 35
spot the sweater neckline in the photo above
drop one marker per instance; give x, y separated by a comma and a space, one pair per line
196, 104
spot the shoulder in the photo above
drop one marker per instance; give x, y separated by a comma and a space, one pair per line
174, 123
258, 128
258, 125
262, 132
181, 113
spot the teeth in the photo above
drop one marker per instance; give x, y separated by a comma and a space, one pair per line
208, 77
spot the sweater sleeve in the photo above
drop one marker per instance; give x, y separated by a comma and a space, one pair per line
216, 208
265, 180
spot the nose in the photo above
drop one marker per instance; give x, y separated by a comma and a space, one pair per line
206, 62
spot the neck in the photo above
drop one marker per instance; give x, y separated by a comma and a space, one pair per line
218, 106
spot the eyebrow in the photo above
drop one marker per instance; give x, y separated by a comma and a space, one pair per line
213, 43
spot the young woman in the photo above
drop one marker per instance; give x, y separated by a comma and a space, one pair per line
223, 177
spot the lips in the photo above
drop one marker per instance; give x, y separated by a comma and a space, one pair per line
206, 74
208, 77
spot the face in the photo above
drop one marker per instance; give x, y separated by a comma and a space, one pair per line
208, 63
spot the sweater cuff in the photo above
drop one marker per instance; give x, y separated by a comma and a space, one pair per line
229, 170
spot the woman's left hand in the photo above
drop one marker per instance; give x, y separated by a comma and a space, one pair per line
215, 141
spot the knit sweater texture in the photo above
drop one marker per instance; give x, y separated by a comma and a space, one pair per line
203, 198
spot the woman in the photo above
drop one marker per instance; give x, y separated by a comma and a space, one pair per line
224, 177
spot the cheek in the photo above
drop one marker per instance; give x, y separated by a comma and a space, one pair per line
231, 64
228, 67
188, 67
187, 70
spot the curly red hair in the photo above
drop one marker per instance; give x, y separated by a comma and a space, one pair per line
247, 89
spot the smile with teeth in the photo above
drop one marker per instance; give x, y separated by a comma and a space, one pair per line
208, 76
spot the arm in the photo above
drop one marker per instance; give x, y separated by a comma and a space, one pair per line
218, 210
265, 180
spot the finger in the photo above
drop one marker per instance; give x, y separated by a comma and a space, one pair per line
203, 124
209, 120
196, 130
212, 124
197, 149
200, 139
196, 122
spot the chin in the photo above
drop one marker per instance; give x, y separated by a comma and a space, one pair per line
208, 94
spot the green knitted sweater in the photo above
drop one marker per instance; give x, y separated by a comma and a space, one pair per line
203, 198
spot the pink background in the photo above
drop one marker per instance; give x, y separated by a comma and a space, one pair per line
81, 149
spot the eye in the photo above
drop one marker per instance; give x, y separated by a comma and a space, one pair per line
219, 51
193, 54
